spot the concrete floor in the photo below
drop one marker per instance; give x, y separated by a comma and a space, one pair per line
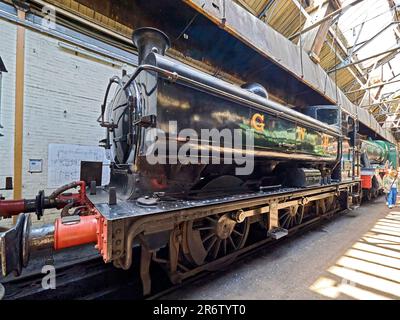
355, 256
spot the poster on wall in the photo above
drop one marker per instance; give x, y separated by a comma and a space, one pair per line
64, 163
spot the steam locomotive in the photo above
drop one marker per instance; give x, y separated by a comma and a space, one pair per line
377, 157
287, 144
305, 165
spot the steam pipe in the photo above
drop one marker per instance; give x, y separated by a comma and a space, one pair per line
66, 187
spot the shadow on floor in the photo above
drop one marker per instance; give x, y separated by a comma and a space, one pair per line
370, 269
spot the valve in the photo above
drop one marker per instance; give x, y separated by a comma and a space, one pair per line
40, 200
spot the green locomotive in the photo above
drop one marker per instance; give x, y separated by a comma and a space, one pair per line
377, 156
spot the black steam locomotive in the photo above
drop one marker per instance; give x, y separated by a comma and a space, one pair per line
289, 149
196, 203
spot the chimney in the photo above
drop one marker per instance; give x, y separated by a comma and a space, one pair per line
149, 40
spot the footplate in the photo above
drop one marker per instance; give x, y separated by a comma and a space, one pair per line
355, 202
277, 233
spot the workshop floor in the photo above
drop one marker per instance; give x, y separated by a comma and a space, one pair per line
355, 256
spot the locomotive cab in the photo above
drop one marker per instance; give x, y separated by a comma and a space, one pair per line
333, 116
329, 114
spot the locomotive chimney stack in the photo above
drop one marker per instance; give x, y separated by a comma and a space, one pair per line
149, 40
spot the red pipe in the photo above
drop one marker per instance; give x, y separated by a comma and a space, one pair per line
71, 234
10, 208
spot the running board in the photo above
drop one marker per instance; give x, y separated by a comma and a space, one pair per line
278, 233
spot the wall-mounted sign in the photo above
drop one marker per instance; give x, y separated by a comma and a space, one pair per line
35, 165
64, 163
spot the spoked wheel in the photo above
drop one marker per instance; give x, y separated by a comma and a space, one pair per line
213, 237
291, 217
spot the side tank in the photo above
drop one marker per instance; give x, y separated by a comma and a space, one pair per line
163, 91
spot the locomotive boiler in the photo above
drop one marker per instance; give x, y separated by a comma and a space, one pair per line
199, 211
287, 144
378, 153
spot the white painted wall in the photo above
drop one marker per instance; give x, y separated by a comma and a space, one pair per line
8, 36
63, 94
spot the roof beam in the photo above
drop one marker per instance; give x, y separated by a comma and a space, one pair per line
373, 86
379, 103
313, 41
364, 43
389, 57
365, 59
326, 18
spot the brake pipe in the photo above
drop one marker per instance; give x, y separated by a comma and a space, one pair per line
9, 208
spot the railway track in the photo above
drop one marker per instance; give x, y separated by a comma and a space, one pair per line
91, 279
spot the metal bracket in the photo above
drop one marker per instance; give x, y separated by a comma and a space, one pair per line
71, 219
278, 233
274, 230
146, 121
273, 215
118, 235
145, 261
174, 245
40, 204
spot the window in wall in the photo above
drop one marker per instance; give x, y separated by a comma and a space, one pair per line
2, 70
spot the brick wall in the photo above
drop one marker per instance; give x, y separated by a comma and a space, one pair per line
63, 94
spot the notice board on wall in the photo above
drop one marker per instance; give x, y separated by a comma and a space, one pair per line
64, 163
